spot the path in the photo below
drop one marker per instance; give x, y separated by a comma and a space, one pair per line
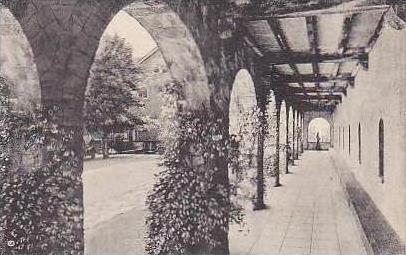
308, 215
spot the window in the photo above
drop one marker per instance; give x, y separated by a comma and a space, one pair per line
143, 92
359, 144
381, 150
343, 135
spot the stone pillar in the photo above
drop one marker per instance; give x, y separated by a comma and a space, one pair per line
297, 127
277, 144
294, 134
259, 203
302, 132
287, 139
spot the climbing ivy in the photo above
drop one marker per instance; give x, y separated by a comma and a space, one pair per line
41, 210
189, 206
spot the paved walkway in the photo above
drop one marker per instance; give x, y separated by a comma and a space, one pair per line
308, 215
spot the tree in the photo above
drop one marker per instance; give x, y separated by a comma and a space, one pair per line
111, 104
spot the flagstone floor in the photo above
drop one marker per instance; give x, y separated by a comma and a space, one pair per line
308, 214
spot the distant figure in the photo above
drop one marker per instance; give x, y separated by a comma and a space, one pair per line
318, 141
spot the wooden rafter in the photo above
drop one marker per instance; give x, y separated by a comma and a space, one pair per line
318, 97
329, 11
313, 36
282, 58
320, 90
251, 42
284, 45
311, 78
377, 31
345, 38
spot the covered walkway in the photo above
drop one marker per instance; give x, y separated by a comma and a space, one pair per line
309, 214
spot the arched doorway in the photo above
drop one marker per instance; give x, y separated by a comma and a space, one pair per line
381, 149
318, 134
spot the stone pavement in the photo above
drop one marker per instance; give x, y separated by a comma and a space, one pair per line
307, 215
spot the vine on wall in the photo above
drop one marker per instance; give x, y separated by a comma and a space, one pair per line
270, 166
245, 145
41, 210
189, 206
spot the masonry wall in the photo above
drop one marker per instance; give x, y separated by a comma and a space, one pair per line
379, 92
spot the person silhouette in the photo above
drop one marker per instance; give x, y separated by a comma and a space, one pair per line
318, 141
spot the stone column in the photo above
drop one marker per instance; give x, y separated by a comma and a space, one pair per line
287, 139
294, 134
298, 132
259, 203
277, 144
302, 132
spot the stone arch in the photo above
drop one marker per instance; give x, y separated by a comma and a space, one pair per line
242, 109
320, 127
64, 36
308, 117
64, 39
243, 98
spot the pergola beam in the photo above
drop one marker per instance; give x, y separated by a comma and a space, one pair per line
316, 90
313, 36
329, 11
283, 58
318, 97
284, 45
313, 79
345, 38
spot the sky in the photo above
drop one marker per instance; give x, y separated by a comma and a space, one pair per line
129, 28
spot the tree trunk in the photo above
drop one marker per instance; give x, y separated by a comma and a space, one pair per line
105, 146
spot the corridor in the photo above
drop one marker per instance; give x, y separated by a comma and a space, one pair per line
308, 214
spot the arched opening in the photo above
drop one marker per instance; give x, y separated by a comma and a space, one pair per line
140, 41
126, 80
319, 134
243, 129
359, 144
381, 148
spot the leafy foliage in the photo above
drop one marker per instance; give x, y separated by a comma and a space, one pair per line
111, 104
189, 206
243, 176
270, 162
41, 210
